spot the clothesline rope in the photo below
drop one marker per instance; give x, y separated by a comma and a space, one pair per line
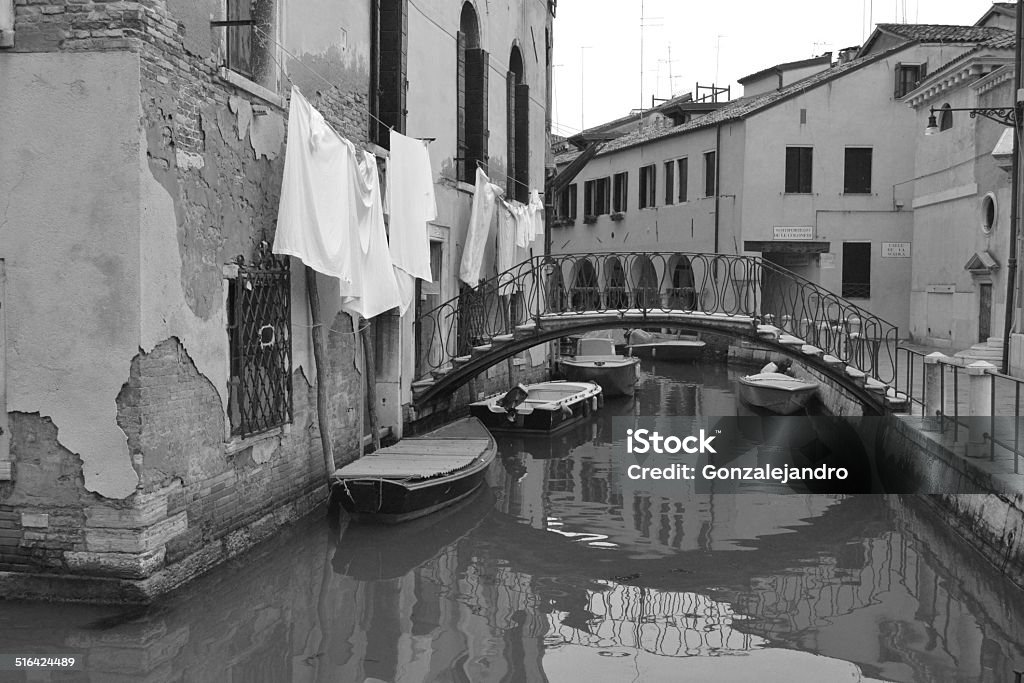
480, 165
364, 326
312, 71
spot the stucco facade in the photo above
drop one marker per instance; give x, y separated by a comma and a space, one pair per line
807, 229
962, 204
142, 180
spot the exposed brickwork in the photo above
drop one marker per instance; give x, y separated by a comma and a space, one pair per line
200, 502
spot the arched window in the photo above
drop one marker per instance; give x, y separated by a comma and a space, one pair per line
585, 295
616, 294
645, 287
945, 118
518, 128
682, 294
472, 96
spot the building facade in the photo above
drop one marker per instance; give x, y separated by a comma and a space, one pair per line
962, 193
157, 375
812, 169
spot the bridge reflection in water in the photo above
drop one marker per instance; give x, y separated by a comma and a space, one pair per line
559, 571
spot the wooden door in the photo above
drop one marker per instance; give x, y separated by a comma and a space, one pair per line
985, 312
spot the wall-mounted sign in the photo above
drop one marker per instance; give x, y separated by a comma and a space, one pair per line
827, 261
803, 232
895, 249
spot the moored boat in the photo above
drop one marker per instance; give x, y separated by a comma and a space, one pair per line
417, 475
669, 349
596, 361
545, 407
776, 392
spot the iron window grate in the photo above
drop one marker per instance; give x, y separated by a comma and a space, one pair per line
259, 331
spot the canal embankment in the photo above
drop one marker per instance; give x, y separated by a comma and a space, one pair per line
981, 499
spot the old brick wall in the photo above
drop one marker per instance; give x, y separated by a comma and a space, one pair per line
203, 496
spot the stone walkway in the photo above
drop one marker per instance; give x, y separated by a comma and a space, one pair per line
953, 431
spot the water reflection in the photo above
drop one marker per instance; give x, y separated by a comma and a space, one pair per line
561, 571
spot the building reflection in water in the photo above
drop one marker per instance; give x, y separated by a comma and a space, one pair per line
561, 571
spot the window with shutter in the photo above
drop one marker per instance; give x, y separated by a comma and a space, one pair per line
798, 170
388, 64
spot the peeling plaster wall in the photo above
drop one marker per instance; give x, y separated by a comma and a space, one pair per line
68, 234
331, 38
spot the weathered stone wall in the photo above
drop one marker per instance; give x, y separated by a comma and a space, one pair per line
207, 152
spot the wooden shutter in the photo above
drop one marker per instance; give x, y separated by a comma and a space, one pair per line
394, 45
522, 173
896, 80
477, 132
461, 137
510, 136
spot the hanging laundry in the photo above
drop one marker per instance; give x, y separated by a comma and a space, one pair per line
536, 210
411, 200
411, 203
479, 228
312, 215
508, 220
523, 219
373, 289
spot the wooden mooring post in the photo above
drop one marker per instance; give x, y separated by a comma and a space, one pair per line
322, 409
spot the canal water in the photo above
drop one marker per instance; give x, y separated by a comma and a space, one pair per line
562, 571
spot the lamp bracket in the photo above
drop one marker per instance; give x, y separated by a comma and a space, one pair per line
1005, 115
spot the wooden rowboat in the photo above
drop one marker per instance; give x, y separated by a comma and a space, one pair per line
417, 475
774, 391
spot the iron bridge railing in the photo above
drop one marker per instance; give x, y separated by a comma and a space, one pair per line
656, 283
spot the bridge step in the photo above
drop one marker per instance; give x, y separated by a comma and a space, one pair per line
790, 340
875, 386
459, 361
809, 350
421, 386
441, 372
768, 331
831, 360
502, 339
526, 330
481, 350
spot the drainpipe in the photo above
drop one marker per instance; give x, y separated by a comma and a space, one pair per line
718, 177
6, 23
1011, 262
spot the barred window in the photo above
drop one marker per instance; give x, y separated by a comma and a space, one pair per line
259, 338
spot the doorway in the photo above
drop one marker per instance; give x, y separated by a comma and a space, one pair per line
984, 311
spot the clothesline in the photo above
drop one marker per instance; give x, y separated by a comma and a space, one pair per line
520, 183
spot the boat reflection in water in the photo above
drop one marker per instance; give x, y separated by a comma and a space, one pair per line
570, 571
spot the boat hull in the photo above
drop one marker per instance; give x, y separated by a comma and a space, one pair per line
416, 476
616, 378
669, 350
782, 396
389, 502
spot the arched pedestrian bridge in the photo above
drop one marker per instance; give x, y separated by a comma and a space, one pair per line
744, 297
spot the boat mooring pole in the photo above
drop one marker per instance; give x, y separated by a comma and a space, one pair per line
371, 380
322, 411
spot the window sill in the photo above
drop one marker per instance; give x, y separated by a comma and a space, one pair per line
242, 83
240, 444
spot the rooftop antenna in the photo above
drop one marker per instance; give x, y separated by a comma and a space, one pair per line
644, 24
718, 50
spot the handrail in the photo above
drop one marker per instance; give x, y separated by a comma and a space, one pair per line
654, 283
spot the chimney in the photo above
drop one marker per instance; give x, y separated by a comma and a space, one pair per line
848, 53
